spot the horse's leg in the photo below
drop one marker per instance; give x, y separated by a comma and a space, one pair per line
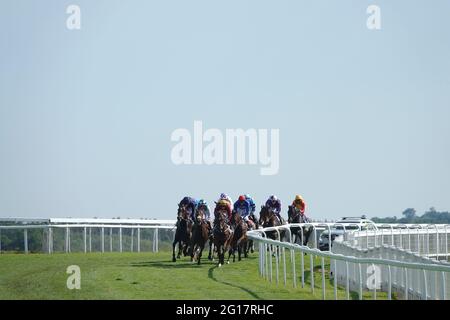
173, 247
202, 246
180, 247
239, 251
219, 253
210, 250
185, 248
307, 237
245, 245
230, 252
192, 249
248, 246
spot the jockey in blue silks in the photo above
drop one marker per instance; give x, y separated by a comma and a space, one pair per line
190, 204
252, 204
243, 208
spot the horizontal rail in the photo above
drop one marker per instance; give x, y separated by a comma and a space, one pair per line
334, 256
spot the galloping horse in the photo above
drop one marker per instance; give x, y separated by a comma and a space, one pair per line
268, 218
252, 224
222, 235
239, 239
183, 233
200, 235
294, 216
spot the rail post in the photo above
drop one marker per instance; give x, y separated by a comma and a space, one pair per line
85, 239
132, 236
110, 240
302, 261
335, 279
284, 265
50, 234
139, 239
90, 239
323, 278
311, 260
67, 240
103, 239
360, 282
425, 286
347, 281
389, 283
25, 240
120, 239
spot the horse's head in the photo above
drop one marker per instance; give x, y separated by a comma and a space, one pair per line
237, 218
293, 215
222, 217
200, 214
268, 218
183, 212
263, 215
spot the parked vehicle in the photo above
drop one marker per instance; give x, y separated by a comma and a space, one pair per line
342, 226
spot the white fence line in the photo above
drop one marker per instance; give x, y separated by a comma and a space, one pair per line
348, 267
424, 240
155, 225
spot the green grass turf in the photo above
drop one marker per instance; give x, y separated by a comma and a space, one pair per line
151, 276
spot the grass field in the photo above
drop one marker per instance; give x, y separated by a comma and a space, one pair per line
146, 276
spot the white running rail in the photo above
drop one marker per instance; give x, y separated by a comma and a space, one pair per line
114, 227
400, 271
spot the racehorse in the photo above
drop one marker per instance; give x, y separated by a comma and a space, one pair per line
252, 224
239, 239
200, 235
183, 233
222, 235
294, 216
268, 218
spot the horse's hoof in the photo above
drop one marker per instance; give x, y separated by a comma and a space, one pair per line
228, 262
174, 260
220, 265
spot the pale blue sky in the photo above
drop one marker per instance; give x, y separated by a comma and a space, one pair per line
86, 116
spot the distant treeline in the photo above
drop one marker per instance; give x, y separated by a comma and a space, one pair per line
409, 216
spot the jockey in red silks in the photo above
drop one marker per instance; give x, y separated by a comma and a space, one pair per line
243, 208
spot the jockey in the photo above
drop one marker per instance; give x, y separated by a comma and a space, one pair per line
299, 206
243, 208
252, 204
225, 200
224, 196
275, 204
190, 204
203, 205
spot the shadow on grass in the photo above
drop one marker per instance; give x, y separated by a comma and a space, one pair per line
212, 277
164, 264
